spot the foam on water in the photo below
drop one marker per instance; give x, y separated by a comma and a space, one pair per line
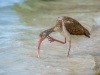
5, 3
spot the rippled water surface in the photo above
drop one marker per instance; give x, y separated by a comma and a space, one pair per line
22, 21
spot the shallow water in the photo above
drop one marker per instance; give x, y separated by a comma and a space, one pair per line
19, 37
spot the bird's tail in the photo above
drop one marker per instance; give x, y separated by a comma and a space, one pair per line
86, 32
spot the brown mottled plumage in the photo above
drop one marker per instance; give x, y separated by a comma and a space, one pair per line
66, 26
73, 26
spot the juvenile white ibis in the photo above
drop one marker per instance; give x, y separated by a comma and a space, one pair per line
66, 26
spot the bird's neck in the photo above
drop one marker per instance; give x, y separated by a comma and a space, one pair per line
48, 31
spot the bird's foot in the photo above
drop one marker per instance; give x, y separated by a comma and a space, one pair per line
50, 39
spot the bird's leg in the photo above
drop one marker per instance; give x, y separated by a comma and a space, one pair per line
69, 47
52, 40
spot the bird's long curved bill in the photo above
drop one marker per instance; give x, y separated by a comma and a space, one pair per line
39, 44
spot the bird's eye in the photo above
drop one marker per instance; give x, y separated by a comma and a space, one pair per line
44, 33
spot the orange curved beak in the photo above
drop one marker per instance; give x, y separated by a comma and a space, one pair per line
39, 44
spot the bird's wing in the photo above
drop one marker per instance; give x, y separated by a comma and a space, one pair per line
73, 27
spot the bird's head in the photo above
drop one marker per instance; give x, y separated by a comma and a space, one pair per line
42, 36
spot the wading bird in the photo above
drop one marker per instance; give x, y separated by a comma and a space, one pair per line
66, 26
